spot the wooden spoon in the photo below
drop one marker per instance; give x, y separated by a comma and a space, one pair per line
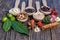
45, 5
15, 10
30, 10
22, 14
38, 15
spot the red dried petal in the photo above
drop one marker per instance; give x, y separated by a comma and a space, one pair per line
52, 12
39, 24
56, 14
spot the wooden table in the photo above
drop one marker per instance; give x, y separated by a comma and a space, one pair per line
49, 34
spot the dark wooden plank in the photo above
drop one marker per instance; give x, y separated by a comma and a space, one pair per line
21, 36
55, 31
13, 35
2, 33
43, 35
8, 35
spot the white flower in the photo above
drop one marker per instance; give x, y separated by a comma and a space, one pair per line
57, 19
14, 11
37, 29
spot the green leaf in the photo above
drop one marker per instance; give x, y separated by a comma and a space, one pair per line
7, 25
19, 27
46, 20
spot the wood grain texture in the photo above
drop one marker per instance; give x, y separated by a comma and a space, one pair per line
43, 35
56, 31
49, 34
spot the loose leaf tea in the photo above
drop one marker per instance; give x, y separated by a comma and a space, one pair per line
29, 10
45, 8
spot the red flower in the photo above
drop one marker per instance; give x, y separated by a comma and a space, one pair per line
39, 24
52, 12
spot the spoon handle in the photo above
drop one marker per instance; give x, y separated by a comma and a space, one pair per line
37, 5
23, 6
44, 2
30, 3
17, 3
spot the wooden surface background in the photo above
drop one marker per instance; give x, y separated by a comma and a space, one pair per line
49, 34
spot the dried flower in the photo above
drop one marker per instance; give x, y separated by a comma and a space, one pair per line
57, 19
37, 29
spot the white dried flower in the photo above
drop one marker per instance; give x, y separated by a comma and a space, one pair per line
37, 29
57, 19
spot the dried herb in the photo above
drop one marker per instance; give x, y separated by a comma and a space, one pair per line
45, 9
29, 10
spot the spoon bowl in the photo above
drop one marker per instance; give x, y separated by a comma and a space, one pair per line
45, 9
15, 10
30, 10
38, 15
23, 17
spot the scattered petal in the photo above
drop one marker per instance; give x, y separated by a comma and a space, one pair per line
57, 19
37, 29
52, 20
53, 16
